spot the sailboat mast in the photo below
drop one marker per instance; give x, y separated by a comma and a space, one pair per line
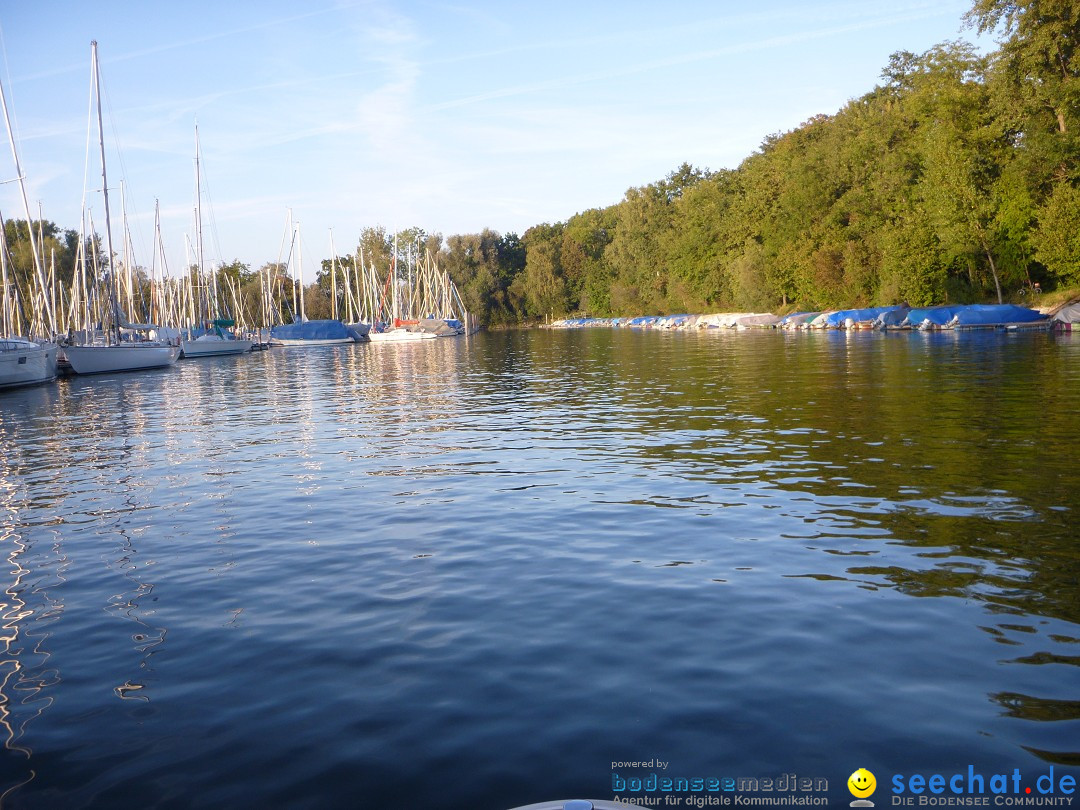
348, 292
300, 270
38, 258
129, 280
156, 306
333, 278
105, 188
6, 326
394, 285
212, 303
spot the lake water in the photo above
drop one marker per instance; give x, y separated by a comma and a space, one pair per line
485, 572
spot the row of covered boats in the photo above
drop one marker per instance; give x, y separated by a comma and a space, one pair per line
901, 316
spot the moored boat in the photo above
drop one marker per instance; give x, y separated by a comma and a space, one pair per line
217, 338
119, 347
763, 320
125, 356
23, 361
311, 333
931, 317
797, 320
211, 345
998, 316
26, 362
1067, 318
214, 342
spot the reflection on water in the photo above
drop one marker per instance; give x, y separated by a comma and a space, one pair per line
523, 555
28, 610
127, 604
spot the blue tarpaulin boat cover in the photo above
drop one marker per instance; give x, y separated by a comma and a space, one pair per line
835, 320
995, 314
938, 316
893, 317
311, 330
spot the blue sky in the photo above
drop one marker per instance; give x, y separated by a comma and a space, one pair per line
451, 117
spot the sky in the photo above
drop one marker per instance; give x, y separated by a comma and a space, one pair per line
451, 117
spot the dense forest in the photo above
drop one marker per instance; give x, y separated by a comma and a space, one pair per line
956, 179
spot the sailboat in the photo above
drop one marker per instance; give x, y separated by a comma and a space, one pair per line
22, 361
302, 332
217, 339
124, 346
432, 292
26, 362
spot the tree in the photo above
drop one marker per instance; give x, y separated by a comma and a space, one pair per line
375, 246
1039, 62
543, 286
1036, 84
588, 274
964, 150
1058, 233
472, 261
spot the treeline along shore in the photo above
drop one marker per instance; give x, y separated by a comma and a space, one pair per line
955, 180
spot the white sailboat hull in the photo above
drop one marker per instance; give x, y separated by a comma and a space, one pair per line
397, 335
213, 346
275, 341
133, 357
24, 362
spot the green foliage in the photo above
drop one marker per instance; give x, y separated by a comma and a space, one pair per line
1057, 237
478, 265
543, 286
375, 247
57, 248
237, 272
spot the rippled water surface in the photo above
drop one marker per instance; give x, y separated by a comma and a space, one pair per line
475, 573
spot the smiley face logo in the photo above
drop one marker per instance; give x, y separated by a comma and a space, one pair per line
861, 783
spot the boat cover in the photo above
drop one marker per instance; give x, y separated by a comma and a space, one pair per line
435, 326
758, 319
1069, 314
893, 317
994, 315
721, 320
836, 320
796, 318
933, 316
311, 330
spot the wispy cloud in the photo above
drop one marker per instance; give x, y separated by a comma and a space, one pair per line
917, 12
192, 43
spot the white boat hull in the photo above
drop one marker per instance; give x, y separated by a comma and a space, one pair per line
329, 342
123, 357
398, 335
24, 362
213, 347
